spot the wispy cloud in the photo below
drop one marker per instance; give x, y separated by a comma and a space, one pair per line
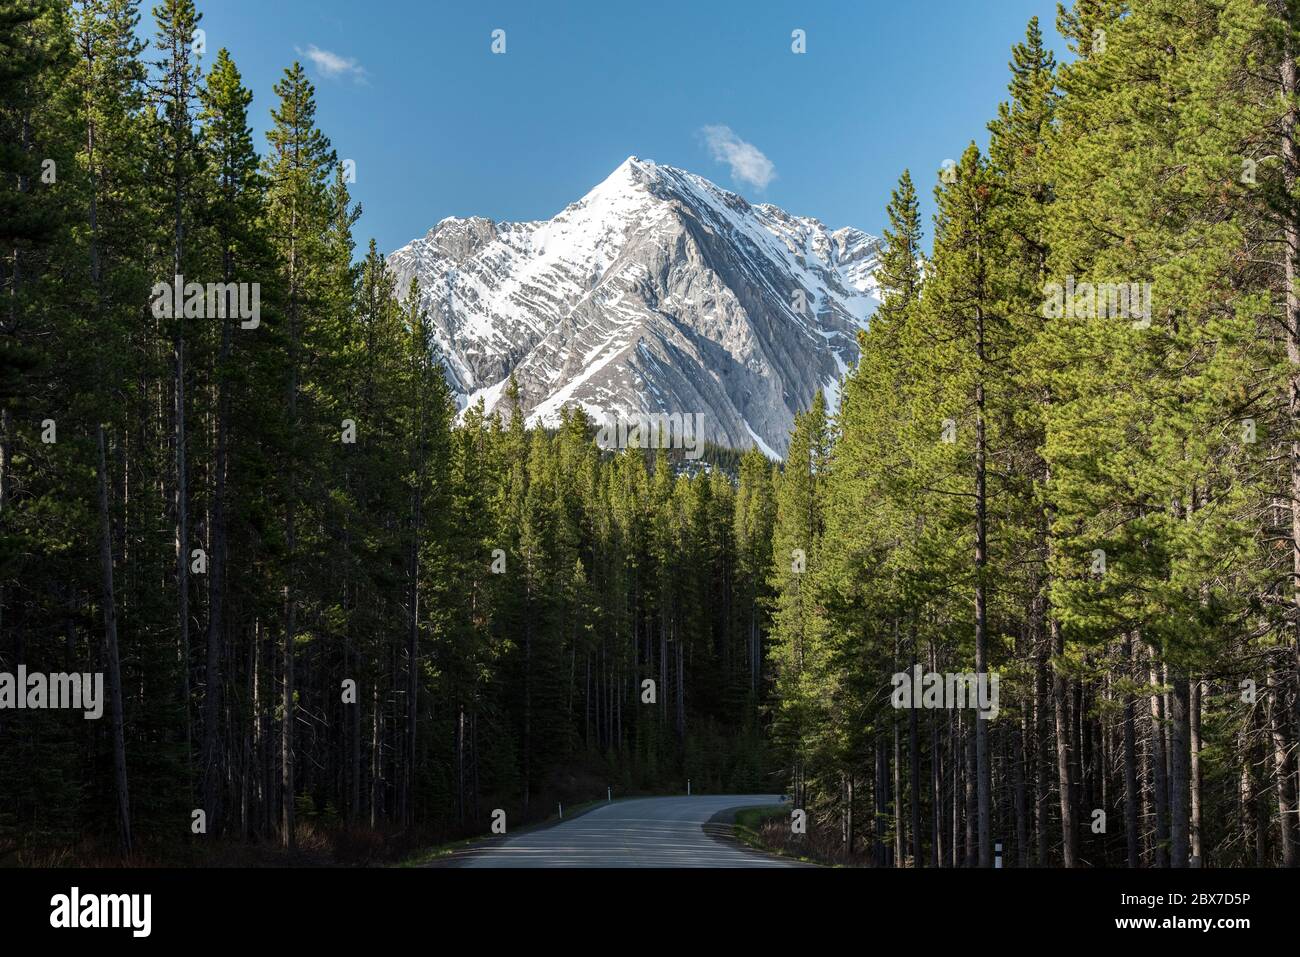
332, 65
747, 162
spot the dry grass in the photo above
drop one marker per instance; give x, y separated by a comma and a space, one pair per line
822, 844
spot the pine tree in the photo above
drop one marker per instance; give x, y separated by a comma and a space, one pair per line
297, 167
234, 205
796, 635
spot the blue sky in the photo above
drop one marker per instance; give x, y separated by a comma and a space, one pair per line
439, 125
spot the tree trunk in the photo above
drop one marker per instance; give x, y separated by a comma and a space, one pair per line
956, 754
852, 834
109, 601
1159, 767
1042, 734
914, 776
897, 792
262, 689
937, 858
1180, 726
972, 799
681, 692
376, 758
288, 707
1019, 797
1291, 258
1130, 770
1065, 777
460, 745
528, 699
881, 790
6, 457
1282, 769
1196, 849
412, 676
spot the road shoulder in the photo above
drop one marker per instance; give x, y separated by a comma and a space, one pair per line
722, 828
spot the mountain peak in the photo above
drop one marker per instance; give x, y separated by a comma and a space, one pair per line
633, 175
636, 166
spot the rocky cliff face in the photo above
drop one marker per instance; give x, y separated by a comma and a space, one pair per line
657, 292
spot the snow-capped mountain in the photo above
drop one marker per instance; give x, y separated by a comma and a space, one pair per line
657, 292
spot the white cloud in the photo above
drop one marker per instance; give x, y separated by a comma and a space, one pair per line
747, 162
332, 65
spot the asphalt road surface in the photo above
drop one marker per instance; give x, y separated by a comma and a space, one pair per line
642, 832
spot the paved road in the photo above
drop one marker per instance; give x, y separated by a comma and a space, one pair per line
642, 832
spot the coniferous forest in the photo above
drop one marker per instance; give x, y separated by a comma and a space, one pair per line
346, 622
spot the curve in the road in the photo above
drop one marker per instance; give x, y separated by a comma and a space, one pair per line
642, 832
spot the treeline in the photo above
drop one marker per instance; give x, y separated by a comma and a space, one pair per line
322, 606
1070, 454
